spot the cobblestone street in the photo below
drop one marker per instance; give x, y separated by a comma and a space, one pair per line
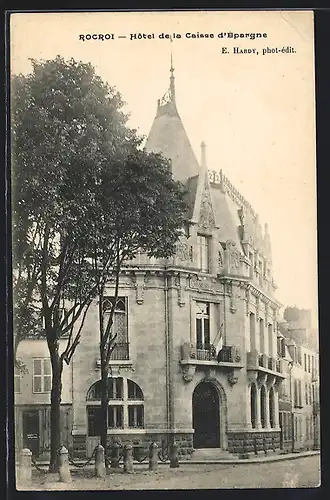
300, 472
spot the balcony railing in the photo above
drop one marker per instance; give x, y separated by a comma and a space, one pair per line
207, 352
256, 360
120, 352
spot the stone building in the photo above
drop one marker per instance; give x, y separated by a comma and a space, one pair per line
299, 394
196, 356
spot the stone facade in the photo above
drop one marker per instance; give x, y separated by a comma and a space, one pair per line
196, 361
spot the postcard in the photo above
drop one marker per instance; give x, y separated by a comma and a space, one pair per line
164, 240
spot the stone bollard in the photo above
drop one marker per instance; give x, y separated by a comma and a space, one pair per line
128, 459
174, 461
63, 463
153, 457
25, 465
115, 456
100, 470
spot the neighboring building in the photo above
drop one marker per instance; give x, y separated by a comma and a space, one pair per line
168, 380
32, 398
299, 395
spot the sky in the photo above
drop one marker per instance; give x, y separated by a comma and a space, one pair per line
255, 112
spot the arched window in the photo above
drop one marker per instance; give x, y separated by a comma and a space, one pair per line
125, 405
263, 406
253, 405
272, 407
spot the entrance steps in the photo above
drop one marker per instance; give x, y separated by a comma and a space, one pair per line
212, 454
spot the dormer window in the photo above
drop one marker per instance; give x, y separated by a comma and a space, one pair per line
203, 253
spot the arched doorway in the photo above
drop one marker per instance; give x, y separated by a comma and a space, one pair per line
206, 413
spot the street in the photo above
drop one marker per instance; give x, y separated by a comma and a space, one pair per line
300, 472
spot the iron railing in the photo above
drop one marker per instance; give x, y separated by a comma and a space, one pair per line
207, 352
120, 352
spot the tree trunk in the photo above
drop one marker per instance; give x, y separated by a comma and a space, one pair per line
55, 405
104, 404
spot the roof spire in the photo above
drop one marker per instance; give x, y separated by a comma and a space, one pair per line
167, 103
172, 86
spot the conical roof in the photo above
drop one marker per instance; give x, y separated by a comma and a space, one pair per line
168, 137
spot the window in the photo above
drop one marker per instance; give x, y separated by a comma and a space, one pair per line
306, 393
203, 253
262, 335
202, 325
270, 340
119, 326
17, 380
253, 405
125, 407
252, 332
135, 416
115, 417
42, 377
309, 363
305, 362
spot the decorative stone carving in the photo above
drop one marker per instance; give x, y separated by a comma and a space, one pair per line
181, 286
232, 377
266, 312
205, 284
270, 380
182, 250
188, 372
252, 376
206, 215
247, 301
262, 378
139, 284
257, 307
221, 262
233, 256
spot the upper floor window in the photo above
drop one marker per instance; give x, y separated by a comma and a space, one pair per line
203, 253
305, 362
119, 326
125, 406
309, 363
42, 378
17, 380
202, 325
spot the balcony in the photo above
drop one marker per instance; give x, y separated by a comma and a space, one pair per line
120, 352
120, 356
204, 356
261, 365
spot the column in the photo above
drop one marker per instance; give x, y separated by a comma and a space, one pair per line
276, 409
258, 410
267, 419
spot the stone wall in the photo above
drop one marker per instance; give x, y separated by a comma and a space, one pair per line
251, 442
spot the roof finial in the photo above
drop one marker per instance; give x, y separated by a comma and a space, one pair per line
203, 155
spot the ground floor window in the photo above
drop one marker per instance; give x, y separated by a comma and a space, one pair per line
125, 408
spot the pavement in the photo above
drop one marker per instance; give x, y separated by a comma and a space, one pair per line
302, 472
251, 458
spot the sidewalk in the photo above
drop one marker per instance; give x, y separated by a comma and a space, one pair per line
254, 459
